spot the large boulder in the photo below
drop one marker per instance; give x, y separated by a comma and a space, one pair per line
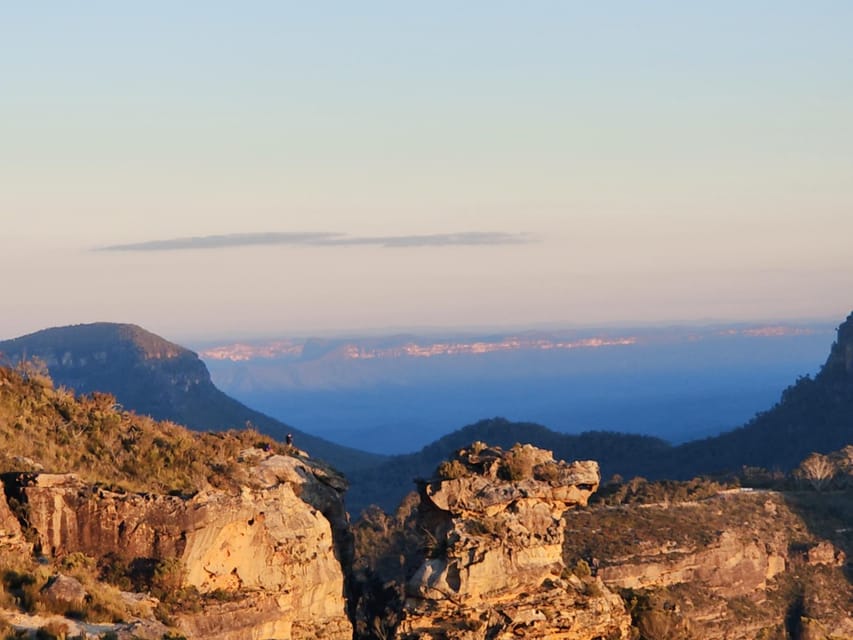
65, 593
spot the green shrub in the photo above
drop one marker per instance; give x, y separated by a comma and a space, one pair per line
76, 562
167, 579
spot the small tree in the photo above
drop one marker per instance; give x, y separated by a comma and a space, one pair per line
817, 470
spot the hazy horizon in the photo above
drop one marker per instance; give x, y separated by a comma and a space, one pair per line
198, 340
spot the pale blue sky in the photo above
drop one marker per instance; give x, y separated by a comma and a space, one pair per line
663, 161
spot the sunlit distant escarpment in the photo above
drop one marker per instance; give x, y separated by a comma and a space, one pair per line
423, 349
407, 346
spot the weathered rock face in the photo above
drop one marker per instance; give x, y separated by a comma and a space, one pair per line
496, 570
274, 540
730, 565
723, 568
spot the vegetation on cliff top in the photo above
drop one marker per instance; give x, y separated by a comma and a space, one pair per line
47, 428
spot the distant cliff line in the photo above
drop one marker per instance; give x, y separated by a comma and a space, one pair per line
423, 347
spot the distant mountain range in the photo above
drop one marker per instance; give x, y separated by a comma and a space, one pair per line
405, 346
156, 377
150, 375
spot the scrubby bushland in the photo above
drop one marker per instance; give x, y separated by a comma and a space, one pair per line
641, 491
51, 429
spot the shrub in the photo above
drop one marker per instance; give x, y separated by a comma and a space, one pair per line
593, 589
167, 579
517, 464
77, 561
817, 470
548, 472
451, 469
582, 569
26, 587
105, 603
495, 527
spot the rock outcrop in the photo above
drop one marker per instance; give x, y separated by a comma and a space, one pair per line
271, 553
496, 567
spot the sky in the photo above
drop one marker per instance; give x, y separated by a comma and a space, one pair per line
212, 169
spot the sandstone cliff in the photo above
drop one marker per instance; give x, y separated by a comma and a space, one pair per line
496, 567
270, 554
738, 565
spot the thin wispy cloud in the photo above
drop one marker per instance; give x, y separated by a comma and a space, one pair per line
326, 239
